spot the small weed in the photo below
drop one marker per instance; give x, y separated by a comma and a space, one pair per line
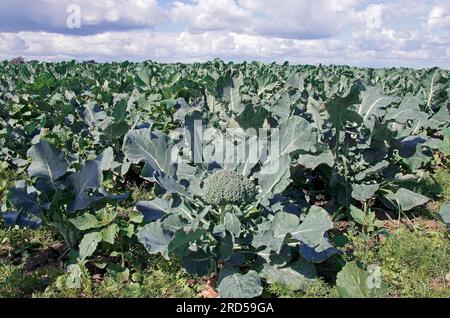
16, 282
163, 279
142, 193
7, 178
318, 289
415, 263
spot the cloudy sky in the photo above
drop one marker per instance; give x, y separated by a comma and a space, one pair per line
356, 32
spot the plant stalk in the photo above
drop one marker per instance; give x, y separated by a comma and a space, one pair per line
222, 214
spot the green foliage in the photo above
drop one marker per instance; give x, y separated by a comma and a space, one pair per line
27, 261
413, 263
57, 197
7, 178
14, 283
140, 193
442, 178
353, 282
435, 184
318, 289
352, 142
24, 272
444, 215
161, 280
17, 240
234, 229
421, 275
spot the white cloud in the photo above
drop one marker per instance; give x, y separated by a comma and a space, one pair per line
357, 32
297, 19
439, 18
96, 16
190, 47
212, 15
398, 31
183, 46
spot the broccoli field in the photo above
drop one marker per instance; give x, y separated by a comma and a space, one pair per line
223, 180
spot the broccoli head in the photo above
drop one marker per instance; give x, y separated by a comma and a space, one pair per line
228, 187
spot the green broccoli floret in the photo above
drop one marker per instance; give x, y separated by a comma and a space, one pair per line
228, 187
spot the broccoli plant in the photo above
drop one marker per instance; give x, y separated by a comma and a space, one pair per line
233, 219
60, 194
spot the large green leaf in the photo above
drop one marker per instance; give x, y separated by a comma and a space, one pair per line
93, 115
249, 153
273, 178
266, 238
24, 198
320, 253
298, 275
313, 161
373, 105
444, 214
318, 116
252, 117
155, 238
115, 131
281, 258
154, 148
237, 285
199, 263
431, 83
353, 282
282, 107
179, 245
440, 119
120, 110
89, 244
296, 134
155, 209
224, 250
370, 171
232, 224
445, 145
313, 227
231, 94
106, 159
85, 222
284, 223
88, 178
274, 236
339, 110
172, 185
47, 162
408, 110
364, 192
409, 200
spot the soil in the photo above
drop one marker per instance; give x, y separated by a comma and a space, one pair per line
209, 289
48, 257
430, 225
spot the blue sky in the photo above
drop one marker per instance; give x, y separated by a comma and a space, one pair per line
355, 32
